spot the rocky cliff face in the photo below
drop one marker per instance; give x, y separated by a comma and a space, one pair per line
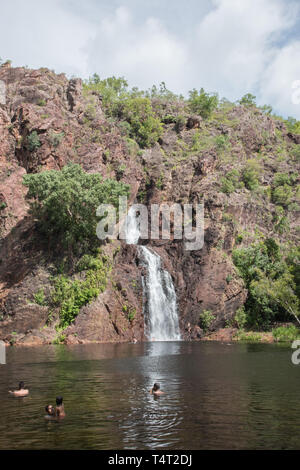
48, 121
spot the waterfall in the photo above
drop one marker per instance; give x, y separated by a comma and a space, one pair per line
160, 306
132, 228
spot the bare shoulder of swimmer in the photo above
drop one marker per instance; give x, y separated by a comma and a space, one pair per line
156, 390
21, 392
60, 409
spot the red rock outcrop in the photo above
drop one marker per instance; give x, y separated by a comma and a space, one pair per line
48, 121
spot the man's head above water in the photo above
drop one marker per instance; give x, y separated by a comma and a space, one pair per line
59, 401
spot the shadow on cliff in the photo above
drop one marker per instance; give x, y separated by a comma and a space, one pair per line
20, 251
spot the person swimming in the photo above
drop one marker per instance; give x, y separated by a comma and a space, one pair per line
155, 390
50, 412
60, 409
22, 392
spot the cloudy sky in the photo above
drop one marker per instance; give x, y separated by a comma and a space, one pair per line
229, 46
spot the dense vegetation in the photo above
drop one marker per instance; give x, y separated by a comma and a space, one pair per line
272, 279
64, 204
69, 295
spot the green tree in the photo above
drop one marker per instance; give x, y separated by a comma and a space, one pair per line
110, 90
293, 125
65, 202
202, 103
145, 128
282, 291
248, 100
271, 282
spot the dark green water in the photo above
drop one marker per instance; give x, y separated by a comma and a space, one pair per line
218, 396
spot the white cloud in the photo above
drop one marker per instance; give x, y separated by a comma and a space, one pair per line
43, 34
236, 42
232, 47
145, 54
276, 85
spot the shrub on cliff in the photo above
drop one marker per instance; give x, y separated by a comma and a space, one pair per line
248, 100
145, 128
271, 281
202, 103
128, 106
231, 182
65, 202
251, 173
293, 125
69, 295
282, 191
109, 90
282, 195
33, 141
205, 319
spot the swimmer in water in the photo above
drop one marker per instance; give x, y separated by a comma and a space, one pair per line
50, 412
60, 409
155, 390
22, 392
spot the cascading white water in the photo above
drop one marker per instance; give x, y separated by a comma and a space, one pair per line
160, 306
132, 228
162, 322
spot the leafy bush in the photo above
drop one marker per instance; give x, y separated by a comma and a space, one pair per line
33, 141
230, 182
293, 125
286, 333
281, 179
202, 103
132, 107
248, 100
39, 297
65, 202
282, 192
110, 90
206, 318
240, 318
282, 195
70, 295
295, 153
250, 174
266, 109
271, 283
145, 128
